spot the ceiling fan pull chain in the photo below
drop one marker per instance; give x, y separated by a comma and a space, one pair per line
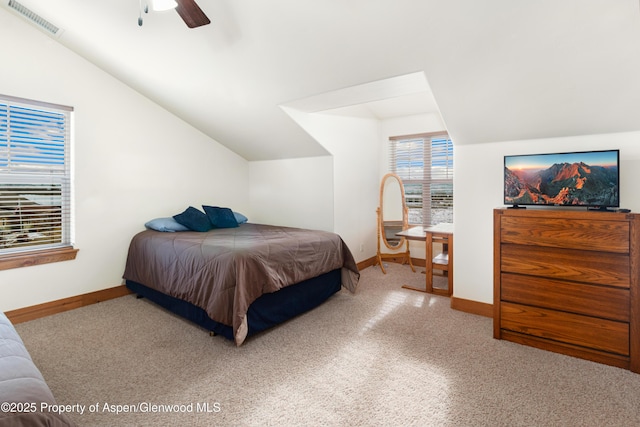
146, 10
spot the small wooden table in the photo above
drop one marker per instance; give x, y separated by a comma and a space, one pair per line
441, 233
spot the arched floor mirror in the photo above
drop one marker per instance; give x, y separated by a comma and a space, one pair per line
393, 217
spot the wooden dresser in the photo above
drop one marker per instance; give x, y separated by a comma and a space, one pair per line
567, 281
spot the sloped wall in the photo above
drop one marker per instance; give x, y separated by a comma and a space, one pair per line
133, 161
350, 179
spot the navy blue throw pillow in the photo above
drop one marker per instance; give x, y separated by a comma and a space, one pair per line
220, 217
193, 219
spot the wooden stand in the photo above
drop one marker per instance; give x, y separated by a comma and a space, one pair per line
441, 233
404, 256
442, 261
568, 281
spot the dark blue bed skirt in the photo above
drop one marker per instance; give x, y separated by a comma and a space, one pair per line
265, 312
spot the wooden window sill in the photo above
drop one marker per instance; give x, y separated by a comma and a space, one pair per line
27, 259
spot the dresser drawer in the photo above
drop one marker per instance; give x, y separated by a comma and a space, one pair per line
588, 235
584, 331
603, 268
589, 300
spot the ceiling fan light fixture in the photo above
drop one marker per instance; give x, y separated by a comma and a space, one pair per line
160, 5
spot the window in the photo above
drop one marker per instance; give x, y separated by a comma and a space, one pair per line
428, 190
35, 182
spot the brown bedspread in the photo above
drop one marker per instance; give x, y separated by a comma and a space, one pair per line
223, 271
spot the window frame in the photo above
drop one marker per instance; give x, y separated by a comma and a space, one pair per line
418, 156
36, 254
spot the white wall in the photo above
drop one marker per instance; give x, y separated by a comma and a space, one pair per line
478, 189
340, 191
293, 192
353, 144
133, 161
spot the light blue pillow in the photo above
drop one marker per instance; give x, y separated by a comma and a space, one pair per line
165, 224
240, 219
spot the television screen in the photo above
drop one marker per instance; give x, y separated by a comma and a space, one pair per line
589, 178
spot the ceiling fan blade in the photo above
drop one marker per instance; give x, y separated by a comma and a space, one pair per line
191, 13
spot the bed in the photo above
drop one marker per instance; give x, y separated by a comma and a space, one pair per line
25, 397
241, 280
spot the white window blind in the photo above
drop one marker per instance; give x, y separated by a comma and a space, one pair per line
425, 164
35, 175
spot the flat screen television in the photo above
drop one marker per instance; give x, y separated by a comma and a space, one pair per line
589, 179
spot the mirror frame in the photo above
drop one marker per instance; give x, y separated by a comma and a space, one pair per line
405, 256
405, 212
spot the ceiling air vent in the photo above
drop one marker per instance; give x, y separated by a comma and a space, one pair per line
35, 19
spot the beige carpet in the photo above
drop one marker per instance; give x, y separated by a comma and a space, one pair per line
385, 356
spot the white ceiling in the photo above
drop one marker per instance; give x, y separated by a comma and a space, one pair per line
393, 97
499, 70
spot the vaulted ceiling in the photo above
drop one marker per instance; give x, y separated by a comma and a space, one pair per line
498, 70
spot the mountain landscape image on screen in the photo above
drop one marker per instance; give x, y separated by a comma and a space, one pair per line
573, 184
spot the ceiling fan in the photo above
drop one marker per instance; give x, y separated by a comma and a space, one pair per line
191, 14
188, 10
